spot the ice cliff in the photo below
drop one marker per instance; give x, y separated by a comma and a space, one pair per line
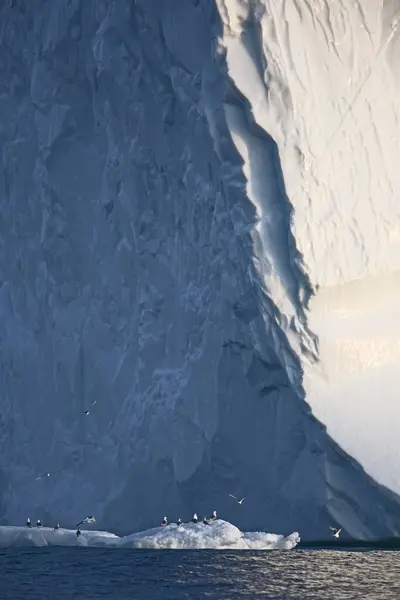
200, 231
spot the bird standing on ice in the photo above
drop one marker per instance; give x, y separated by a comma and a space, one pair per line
179, 522
336, 532
28, 522
238, 501
164, 522
213, 516
195, 518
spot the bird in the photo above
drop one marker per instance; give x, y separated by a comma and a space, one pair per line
38, 523
179, 522
238, 501
90, 519
195, 518
164, 522
87, 412
336, 532
44, 475
205, 522
213, 516
28, 522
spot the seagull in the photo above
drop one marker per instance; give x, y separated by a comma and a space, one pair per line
179, 522
195, 518
44, 475
87, 412
213, 516
336, 532
41, 476
205, 522
238, 501
164, 522
48, 474
87, 520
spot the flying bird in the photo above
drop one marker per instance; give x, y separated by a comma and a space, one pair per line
336, 532
44, 475
238, 501
87, 412
87, 520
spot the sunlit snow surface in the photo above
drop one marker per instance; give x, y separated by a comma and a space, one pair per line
321, 78
218, 535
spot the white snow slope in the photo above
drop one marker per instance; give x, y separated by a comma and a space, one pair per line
200, 231
219, 535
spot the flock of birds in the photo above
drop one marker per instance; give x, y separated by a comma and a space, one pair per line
194, 519
90, 519
206, 521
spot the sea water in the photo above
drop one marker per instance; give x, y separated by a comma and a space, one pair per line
66, 573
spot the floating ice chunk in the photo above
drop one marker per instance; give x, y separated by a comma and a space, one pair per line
47, 536
218, 535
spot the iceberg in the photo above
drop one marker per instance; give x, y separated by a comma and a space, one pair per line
200, 263
218, 535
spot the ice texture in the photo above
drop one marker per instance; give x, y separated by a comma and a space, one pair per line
200, 230
218, 535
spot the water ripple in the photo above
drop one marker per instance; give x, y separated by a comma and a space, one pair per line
120, 574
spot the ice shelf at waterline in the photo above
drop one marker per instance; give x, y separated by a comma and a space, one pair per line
218, 535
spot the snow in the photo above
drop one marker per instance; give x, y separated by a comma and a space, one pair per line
200, 231
328, 94
47, 536
219, 535
346, 219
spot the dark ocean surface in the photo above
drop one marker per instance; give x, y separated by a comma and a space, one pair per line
61, 573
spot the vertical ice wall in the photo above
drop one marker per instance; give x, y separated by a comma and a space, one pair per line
322, 79
150, 263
